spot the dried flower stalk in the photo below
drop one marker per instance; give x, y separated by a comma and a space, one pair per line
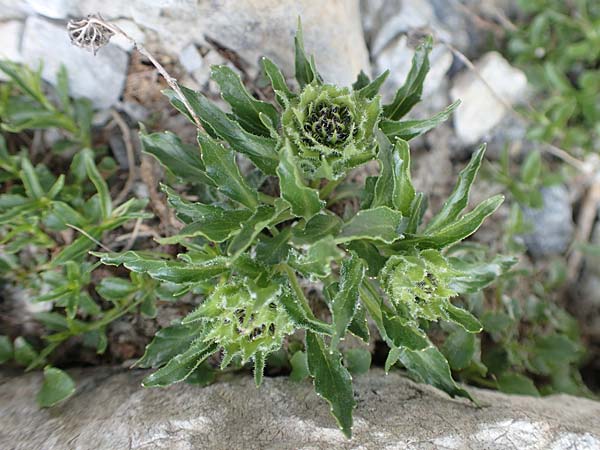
93, 33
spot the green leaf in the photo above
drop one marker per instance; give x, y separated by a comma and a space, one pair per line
378, 224
304, 201
218, 225
306, 71
299, 365
6, 349
259, 368
429, 366
455, 232
410, 93
222, 169
318, 227
372, 88
332, 381
404, 334
57, 387
463, 318
280, 87
459, 198
343, 305
24, 353
251, 228
417, 210
301, 317
270, 251
370, 253
459, 349
531, 168
316, 260
168, 343
260, 149
115, 289
99, 183
409, 129
245, 107
203, 375
181, 366
515, 383
182, 160
163, 270
362, 80
394, 186
358, 360
30, 179
478, 275
359, 325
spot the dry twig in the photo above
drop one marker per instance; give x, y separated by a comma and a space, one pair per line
126, 132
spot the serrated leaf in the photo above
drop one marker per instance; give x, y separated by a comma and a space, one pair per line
164, 270
478, 275
378, 224
410, 93
305, 69
394, 186
217, 225
332, 381
359, 325
318, 227
57, 387
251, 228
456, 231
181, 366
345, 301
404, 334
429, 366
168, 343
463, 318
182, 160
280, 87
245, 107
300, 316
409, 129
260, 149
459, 198
222, 169
371, 89
316, 260
304, 201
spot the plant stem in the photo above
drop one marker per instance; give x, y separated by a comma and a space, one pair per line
291, 274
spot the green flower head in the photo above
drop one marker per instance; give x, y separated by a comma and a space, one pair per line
244, 321
331, 130
420, 283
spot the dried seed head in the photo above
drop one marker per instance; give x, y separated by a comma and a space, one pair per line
90, 33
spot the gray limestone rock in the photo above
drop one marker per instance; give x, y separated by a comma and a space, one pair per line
552, 223
111, 411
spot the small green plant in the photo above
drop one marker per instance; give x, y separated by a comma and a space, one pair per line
256, 239
558, 45
38, 213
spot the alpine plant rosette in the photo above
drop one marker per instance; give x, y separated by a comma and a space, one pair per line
331, 130
288, 256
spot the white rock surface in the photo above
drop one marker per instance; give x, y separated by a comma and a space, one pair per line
10, 39
54, 9
100, 78
480, 110
111, 411
253, 28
